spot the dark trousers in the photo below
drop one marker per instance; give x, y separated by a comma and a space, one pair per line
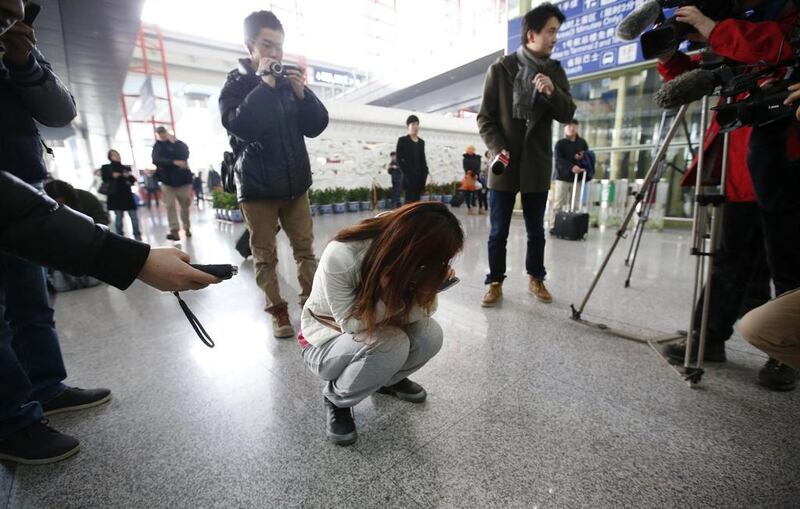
31, 366
776, 181
152, 194
482, 201
739, 273
500, 211
397, 187
415, 185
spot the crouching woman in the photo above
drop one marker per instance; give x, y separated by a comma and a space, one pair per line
367, 325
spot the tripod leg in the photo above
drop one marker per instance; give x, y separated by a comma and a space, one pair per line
637, 241
648, 180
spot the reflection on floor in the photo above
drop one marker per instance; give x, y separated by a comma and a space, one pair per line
526, 408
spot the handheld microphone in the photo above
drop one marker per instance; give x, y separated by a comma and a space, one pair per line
639, 20
686, 88
222, 271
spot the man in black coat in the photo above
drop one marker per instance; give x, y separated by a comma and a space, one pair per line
411, 159
572, 158
267, 112
171, 157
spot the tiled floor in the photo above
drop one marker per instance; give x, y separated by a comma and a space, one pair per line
526, 408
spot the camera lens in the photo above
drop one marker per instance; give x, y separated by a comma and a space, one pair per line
276, 68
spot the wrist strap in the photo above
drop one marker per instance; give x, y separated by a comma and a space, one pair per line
196, 325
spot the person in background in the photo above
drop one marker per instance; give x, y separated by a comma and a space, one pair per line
197, 187
367, 325
119, 179
411, 159
572, 158
469, 186
471, 162
85, 203
170, 155
152, 188
397, 179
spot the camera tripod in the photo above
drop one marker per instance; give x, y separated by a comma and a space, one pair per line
650, 199
706, 223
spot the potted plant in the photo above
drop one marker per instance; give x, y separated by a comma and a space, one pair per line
363, 195
325, 201
339, 200
352, 200
218, 203
232, 205
435, 192
312, 202
380, 198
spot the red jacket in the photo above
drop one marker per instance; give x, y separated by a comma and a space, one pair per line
749, 43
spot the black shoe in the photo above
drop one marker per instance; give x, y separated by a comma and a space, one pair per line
340, 426
38, 444
173, 236
676, 352
777, 376
188, 233
76, 399
406, 390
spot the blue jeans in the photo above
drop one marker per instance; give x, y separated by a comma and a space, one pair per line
31, 366
501, 208
397, 187
119, 215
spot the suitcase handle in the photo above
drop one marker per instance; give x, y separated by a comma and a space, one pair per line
575, 188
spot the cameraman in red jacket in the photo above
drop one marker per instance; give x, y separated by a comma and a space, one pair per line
741, 268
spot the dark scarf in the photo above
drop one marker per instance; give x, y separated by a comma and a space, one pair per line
524, 92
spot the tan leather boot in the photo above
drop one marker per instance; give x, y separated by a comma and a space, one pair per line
281, 326
493, 295
537, 288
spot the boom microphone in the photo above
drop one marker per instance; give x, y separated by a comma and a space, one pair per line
686, 88
639, 20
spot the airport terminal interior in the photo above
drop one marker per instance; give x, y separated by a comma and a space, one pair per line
564, 404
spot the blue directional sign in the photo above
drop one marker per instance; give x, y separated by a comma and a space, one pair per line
587, 41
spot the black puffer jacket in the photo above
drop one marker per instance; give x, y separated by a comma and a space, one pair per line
30, 93
266, 127
472, 162
164, 153
34, 227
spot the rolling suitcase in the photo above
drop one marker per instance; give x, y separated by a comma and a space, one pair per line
572, 224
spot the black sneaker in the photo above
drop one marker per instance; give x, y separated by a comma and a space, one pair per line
173, 236
777, 376
676, 352
406, 390
76, 399
38, 444
340, 426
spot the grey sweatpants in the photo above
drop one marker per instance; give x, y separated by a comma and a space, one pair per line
354, 368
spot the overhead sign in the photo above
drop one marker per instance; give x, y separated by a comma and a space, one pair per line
330, 76
587, 41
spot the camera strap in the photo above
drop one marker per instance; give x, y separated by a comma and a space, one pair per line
196, 325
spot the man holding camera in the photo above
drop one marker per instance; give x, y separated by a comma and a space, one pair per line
171, 157
267, 110
523, 94
760, 228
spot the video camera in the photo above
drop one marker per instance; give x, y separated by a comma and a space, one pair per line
670, 33
279, 70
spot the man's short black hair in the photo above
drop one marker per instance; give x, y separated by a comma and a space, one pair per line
574, 121
538, 17
258, 20
412, 119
